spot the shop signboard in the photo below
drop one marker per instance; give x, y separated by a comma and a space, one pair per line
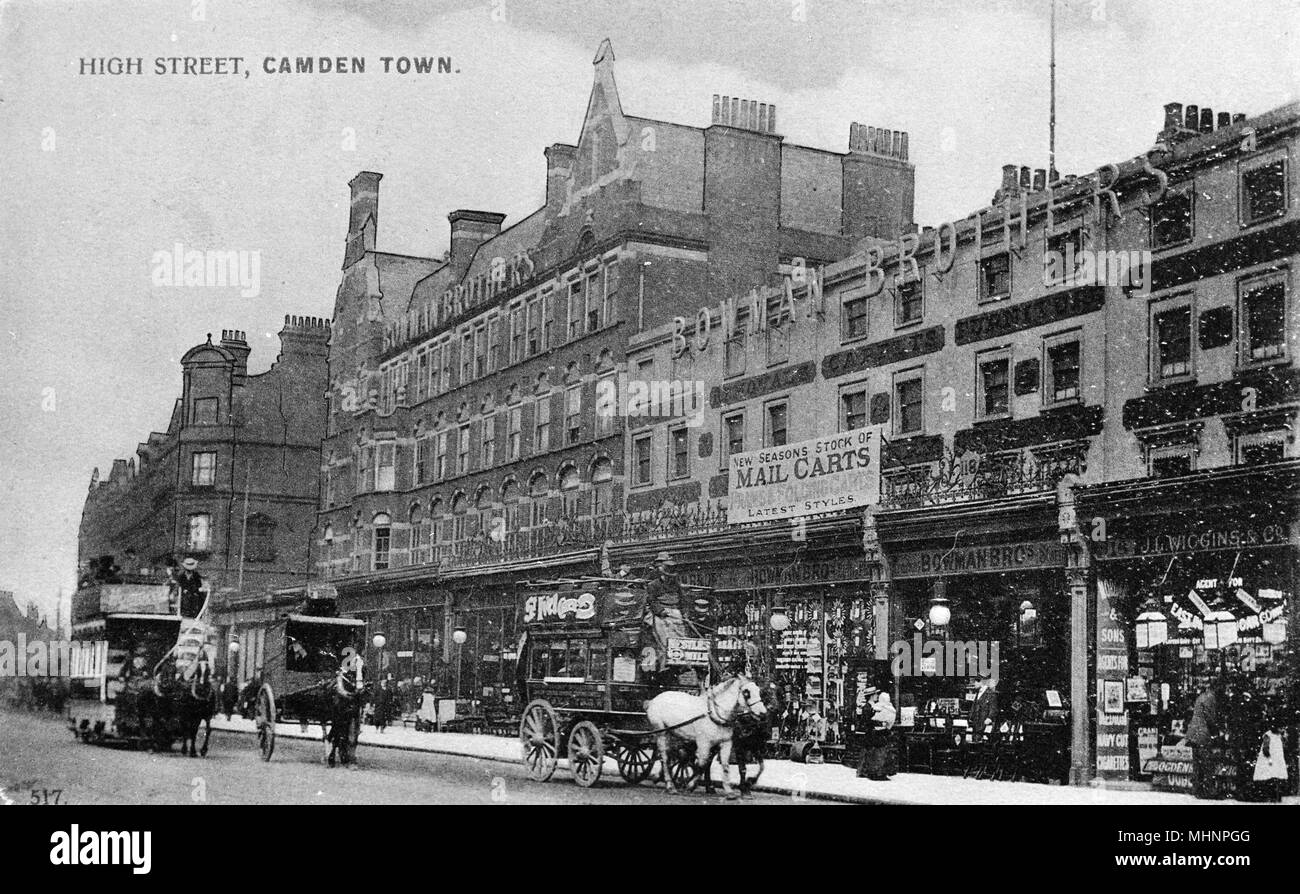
827, 474
983, 558
687, 651
792, 650
1112, 674
581, 606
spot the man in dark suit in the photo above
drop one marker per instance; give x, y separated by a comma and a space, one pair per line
984, 712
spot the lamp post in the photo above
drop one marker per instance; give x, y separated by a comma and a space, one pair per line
458, 636
940, 613
379, 641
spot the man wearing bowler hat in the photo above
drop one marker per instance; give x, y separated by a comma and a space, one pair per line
665, 603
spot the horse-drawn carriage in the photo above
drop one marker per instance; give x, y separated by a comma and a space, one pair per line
314, 675
124, 688
590, 666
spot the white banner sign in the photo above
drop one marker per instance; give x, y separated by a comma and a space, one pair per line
826, 474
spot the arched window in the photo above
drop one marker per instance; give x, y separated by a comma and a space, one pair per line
602, 487
569, 481
382, 539
483, 508
436, 533
510, 501
458, 506
537, 494
419, 537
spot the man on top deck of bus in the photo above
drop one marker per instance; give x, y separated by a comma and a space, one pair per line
666, 605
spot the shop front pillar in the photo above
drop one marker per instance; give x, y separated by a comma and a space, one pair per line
1077, 577
1079, 584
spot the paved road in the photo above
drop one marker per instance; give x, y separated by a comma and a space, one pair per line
38, 753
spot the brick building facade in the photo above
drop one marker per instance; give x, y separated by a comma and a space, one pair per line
233, 482
463, 449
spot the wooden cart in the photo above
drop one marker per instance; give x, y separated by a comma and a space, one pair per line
585, 680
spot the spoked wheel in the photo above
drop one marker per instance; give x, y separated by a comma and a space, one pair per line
264, 716
635, 760
539, 732
586, 753
681, 766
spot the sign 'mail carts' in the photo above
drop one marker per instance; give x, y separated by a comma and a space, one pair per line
825, 474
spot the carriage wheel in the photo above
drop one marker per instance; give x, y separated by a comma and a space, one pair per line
264, 717
586, 753
635, 761
539, 732
681, 765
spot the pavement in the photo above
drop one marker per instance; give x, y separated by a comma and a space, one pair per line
830, 782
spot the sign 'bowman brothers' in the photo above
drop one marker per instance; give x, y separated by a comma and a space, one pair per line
826, 474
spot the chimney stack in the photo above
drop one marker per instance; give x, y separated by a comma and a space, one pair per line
233, 340
1207, 120
747, 114
878, 141
469, 230
304, 336
559, 168
363, 215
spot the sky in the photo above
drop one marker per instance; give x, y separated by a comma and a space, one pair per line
99, 172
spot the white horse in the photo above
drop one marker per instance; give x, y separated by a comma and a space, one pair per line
705, 720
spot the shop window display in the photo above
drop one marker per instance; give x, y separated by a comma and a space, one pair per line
1241, 603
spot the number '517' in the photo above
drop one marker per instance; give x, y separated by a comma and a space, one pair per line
46, 795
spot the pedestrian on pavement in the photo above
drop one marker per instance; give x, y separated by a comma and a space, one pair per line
229, 696
877, 745
384, 703
1202, 734
1270, 776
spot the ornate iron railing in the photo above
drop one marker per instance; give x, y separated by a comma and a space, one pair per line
971, 477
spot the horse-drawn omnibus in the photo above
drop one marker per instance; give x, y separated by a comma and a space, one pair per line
314, 675
589, 666
122, 686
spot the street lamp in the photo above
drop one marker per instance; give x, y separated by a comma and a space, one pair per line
1152, 625
779, 620
379, 641
458, 636
940, 613
1220, 627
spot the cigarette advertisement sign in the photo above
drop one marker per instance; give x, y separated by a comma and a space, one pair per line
826, 474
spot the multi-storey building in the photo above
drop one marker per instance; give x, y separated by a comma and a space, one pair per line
463, 449
1087, 394
233, 480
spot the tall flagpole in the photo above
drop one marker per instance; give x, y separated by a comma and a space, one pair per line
1051, 126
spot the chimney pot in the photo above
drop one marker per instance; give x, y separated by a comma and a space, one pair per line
1207, 119
1191, 119
1024, 177
904, 147
1238, 117
1008, 178
1225, 120
1040, 179
1173, 115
